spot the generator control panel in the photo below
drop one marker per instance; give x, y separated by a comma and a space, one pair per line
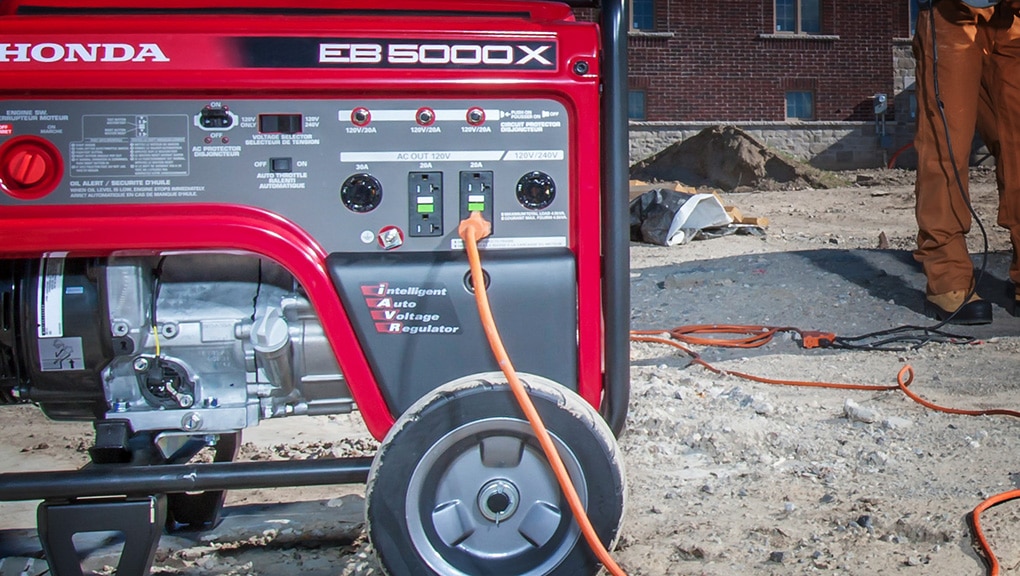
358, 175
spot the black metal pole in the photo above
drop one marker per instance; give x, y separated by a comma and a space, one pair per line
109, 480
615, 218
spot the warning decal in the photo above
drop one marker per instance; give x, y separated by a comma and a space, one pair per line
61, 354
51, 298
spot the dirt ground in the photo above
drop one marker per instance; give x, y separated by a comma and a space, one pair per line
725, 476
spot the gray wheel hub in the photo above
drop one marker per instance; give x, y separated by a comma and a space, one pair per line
486, 490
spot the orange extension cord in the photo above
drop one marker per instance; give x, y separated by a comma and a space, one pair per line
975, 519
755, 336
471, 230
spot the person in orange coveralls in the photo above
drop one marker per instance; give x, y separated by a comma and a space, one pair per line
978, 81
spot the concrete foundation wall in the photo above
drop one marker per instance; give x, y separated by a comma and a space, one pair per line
825, 145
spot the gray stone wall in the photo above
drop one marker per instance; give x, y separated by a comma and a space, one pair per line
825, 145
904, 78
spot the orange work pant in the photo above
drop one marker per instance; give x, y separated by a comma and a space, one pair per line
979, 85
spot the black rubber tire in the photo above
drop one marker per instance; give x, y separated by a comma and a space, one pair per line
484, 407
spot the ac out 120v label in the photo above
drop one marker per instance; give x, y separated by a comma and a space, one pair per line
411, 310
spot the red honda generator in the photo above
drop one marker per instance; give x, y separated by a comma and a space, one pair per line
214, 213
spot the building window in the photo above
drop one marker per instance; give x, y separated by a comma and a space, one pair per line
636, 105
914, 10
800, 105
642, 14
798, 16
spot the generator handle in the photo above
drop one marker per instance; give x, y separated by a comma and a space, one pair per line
615, 215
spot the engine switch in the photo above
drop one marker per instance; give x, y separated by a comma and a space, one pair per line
27, 167
30, 168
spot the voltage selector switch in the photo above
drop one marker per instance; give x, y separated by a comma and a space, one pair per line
536, 190
361, 193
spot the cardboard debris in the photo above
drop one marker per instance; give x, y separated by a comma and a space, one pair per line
669, 217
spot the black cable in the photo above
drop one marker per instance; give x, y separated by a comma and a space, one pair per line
254, 311
899, 339
258, 292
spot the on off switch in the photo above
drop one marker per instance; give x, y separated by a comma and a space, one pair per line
27, 167
30, 167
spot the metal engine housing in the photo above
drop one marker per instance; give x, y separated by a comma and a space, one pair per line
201, 343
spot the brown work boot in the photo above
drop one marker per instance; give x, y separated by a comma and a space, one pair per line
1014, 296
949, 306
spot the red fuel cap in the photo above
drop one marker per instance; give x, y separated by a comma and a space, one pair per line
30, 167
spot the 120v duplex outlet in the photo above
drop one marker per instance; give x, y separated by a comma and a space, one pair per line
476, 194
425, 203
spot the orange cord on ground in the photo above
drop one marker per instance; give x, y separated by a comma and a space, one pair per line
993, 562
753, 341
471, 230
761, 335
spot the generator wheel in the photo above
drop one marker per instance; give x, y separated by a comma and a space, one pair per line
461, 486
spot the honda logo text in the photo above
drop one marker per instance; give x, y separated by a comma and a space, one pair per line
47, 52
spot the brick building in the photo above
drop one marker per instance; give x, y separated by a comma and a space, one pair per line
787, 67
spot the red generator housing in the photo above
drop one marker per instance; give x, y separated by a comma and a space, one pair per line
217, 214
